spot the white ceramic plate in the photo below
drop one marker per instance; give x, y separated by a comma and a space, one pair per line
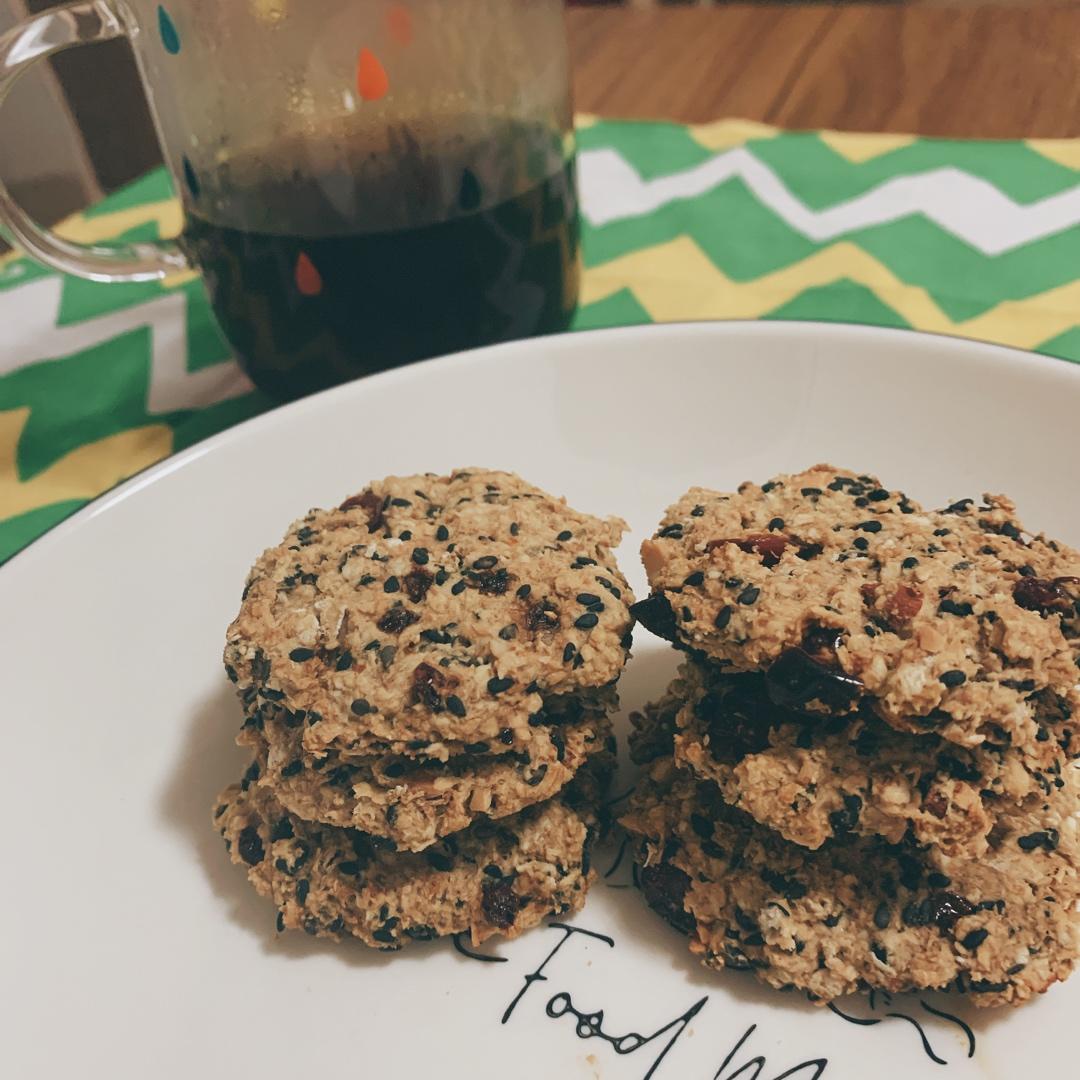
131, 947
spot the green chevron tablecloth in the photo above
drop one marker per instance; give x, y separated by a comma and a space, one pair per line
725, 220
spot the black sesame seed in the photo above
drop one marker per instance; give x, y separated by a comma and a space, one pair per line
493, 871
455, 705
509, 632
391, 584
698, 511
442, 533
810, 492
420, 556
776, 524
672, 532
588, 599
909, 563
458, 588
749, 595
695, 579
883, 916
405, 535
869, 526
300, 655
974, 939
702, 826
724, 617
498, 686
950, 607
861, 543
565, 535
568, 652
537, 777
361, 707
485, 563
506, 737
586, 621
523, 592
344, 661
952, 678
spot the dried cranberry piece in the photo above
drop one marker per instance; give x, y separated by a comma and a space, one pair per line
770, 546
739, 721
811, 672
417, 582
396, 620
655, 614
491, 582
500, 903
946, 908
368, 501
664, 887
543, 615
905, 603
429, 684
1043, 594
250, 846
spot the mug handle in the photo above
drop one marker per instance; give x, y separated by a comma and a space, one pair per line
79, 23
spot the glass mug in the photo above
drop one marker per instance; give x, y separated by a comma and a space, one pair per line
364, 183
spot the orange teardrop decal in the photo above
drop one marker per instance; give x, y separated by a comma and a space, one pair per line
399, 24
308, 279
371, 79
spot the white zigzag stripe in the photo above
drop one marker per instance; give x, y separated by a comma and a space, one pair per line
964, 205
30, 313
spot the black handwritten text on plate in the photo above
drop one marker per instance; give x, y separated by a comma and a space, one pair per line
590, 1025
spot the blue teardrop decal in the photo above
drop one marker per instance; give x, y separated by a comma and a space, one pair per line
167, 28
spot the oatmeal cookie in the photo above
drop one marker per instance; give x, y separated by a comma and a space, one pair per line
436, 610
840, 590
811, 778
494, 878
859, 914
415, 801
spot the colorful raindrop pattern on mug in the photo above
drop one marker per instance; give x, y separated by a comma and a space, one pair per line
372, 82
170, 38
307, 277
399, 24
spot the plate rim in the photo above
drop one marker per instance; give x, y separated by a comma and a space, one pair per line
106, 500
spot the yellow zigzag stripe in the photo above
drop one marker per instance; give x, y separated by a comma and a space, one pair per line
677, 281
81, 474
1061, 151
93, 230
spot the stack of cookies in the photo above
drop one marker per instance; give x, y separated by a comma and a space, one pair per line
864, 773
427, 674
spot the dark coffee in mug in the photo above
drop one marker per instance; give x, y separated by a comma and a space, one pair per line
310, 291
